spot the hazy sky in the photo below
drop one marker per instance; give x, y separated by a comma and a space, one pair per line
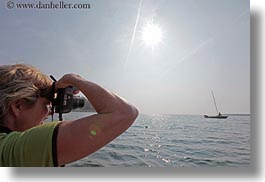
205, 45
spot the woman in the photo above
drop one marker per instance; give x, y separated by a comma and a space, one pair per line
24, 105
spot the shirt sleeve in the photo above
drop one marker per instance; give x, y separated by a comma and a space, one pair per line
35, 147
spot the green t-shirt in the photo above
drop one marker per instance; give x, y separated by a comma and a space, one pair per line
35, 147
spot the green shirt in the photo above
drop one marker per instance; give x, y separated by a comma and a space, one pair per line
33, 147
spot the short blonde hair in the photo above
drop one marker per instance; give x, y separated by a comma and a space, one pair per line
21, 81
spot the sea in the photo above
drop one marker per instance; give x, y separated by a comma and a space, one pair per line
165, 140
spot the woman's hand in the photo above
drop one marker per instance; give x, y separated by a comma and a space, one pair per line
67, 80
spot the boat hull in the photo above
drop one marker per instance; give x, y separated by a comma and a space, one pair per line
216, 117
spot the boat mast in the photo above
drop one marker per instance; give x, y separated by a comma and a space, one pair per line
215, 103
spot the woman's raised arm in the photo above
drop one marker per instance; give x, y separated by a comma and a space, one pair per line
79, 138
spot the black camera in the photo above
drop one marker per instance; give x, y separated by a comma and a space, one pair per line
63, 101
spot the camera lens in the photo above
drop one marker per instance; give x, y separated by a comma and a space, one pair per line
78, 102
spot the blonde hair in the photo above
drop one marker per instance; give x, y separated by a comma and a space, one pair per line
21, 81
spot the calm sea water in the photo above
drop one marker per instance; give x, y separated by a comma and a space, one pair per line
175, 141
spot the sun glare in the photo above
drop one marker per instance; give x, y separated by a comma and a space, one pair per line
152, 35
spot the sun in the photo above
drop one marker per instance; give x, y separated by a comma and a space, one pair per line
152, 35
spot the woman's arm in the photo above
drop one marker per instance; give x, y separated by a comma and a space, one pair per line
79, 138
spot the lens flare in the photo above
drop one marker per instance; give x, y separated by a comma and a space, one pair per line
93, 132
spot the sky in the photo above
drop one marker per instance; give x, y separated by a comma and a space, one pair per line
203, 45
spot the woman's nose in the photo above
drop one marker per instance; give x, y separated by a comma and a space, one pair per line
49, 109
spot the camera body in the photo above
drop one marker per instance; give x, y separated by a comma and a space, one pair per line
65, 101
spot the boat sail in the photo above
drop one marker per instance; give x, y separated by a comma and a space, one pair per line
219, 115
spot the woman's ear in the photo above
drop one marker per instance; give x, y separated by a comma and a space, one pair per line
16, 107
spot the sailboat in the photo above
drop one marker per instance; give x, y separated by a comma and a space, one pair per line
219, 115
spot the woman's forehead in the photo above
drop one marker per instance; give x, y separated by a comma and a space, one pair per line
44, 100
